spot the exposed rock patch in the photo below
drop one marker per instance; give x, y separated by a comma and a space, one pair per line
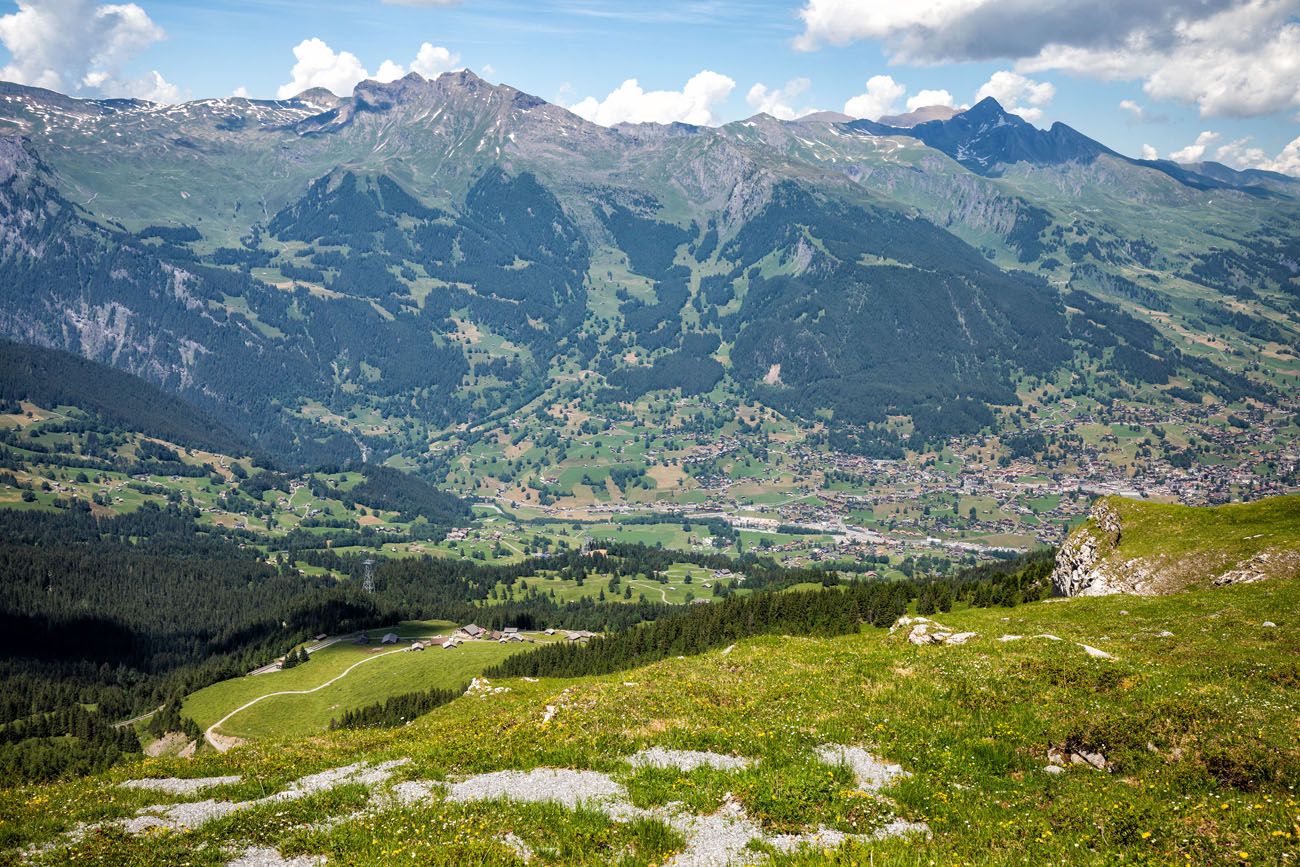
871, 773
554, 785
177, 786
687, 760
256, 856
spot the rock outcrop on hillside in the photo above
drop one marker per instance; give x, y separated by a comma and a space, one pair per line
1093, 561
1081, 565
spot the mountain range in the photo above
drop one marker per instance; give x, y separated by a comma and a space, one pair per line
435, 255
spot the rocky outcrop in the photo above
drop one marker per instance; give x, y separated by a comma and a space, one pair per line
1092, 562
1081, 566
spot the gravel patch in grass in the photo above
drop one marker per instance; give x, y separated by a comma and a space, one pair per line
871, 773
687, 760
177, 786
568, 788
256, 856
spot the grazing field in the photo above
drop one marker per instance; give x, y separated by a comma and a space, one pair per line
286, 716
376, 680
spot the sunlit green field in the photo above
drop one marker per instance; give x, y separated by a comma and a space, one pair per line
210, 704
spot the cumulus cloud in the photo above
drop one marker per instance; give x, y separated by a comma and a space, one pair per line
694, 103
1287, 161
1241, 154
1150, 153
779, 102
1195, 152
433, 60
1018, 94
1135, 111
81, 47
318, 65
881, 98
925, 98
1229, 57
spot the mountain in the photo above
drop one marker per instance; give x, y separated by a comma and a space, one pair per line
985, 136
431, 256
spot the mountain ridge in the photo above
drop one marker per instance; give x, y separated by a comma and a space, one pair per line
359, 244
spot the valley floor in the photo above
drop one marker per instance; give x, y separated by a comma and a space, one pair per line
1191, 707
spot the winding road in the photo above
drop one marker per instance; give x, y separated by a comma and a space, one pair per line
221, 745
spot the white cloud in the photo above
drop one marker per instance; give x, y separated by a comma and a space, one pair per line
1229, 57
153, 87
1150, 153
81, 47
693, 104
318, 65
881, 98
1018, 94
388, 71
925, 98
240, 92
433, 60
1195, 152
1287, 162
1239, 154
779, 102
1135, 110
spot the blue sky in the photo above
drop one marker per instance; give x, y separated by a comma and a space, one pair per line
1229, 68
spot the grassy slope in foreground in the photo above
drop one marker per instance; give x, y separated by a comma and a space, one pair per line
1200, 725
1164, 547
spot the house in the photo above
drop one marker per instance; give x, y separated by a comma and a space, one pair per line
390, 638
494, 635
471, 631
417, 645
450, 644
511, 630
550, 632
579, 635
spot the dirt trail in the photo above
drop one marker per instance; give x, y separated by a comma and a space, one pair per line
221, 743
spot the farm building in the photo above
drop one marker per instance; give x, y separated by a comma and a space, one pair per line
390, 638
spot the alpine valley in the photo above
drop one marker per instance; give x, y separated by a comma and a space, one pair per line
287, 387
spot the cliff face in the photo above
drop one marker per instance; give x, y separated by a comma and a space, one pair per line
1082, 566
1150, 549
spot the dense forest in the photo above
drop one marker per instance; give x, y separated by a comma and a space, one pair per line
51, 377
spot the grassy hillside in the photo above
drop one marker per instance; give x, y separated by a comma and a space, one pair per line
286, 716
1137, 546
1235, 531
1193, 707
